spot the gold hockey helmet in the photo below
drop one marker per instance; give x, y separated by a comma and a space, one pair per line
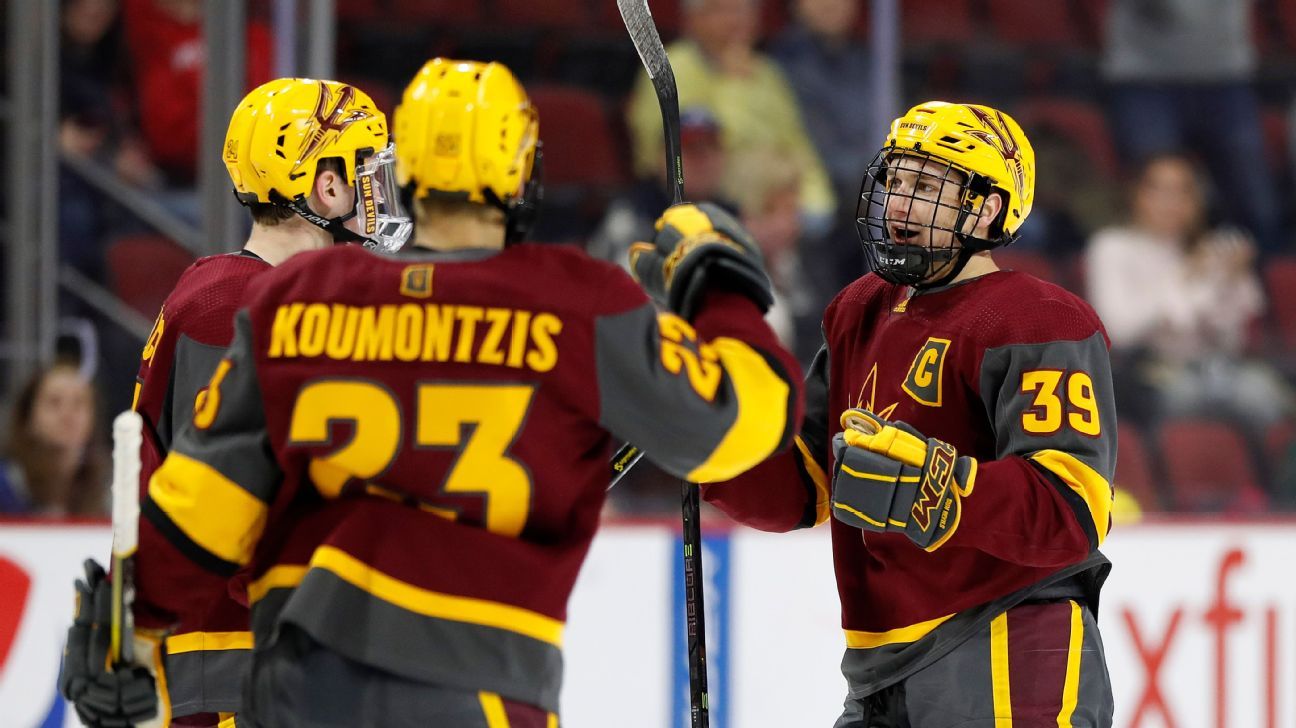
283, 128
467, 130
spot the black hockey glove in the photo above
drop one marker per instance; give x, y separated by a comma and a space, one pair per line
889, 477
104, 698
699, 247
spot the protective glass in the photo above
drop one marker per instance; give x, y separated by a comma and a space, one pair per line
382, 219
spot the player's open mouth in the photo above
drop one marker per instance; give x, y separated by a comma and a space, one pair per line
899, 232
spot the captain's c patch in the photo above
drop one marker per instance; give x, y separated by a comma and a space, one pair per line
923, 382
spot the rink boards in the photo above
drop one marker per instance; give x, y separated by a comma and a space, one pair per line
1199, 620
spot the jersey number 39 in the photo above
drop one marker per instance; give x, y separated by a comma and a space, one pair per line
1059, 397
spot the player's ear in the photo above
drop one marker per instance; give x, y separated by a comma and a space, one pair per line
328, 184
990, 209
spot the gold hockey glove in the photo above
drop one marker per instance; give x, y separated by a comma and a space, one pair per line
889, 477
699, 247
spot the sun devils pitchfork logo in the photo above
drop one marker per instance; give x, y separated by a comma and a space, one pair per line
1001, 138
330, 118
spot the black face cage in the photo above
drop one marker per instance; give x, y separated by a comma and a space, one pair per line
920, 265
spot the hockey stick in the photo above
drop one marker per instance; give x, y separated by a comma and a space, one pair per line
127, 427
643, 33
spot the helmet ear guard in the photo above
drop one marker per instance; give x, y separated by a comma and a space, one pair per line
522, 212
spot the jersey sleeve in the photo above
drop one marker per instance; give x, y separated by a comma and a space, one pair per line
207, 504
705, 401
190, 373
791, 489
1046, 498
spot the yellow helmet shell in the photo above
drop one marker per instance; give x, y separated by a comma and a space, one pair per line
975, 139
282, 128
465, 127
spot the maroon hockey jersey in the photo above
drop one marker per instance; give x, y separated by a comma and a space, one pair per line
207, 651
1008, 369
410, 453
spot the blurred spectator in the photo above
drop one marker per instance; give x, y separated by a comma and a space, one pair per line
94, 123
767, 206
54, 462
717, 65
630, 217
166, 46
830, 70
1181, 76
1072, 201
1178, 300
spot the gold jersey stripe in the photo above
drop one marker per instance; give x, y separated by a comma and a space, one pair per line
435, 604
493, 708
762, 399
1085, 481
212, 510
1002, 691
823, 490
1071, 686
202, 641
283, 576
857, 640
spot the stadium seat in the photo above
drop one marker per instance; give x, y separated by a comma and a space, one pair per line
666, 14
1273, 122
1280, 451
1083, 122
775, 15
1034, 23
1209, 468
1028, 261
938, 22
142, 269
579, 143
353, 11
570, 14
1091, 15
384, 96
1280, 279
437, 12
1135, 469
1286, 11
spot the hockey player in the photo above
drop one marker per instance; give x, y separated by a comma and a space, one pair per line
409, 454
960, 431
303, 156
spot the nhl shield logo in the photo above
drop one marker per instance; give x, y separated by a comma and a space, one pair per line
923, 382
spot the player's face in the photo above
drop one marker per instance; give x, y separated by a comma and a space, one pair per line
922, 203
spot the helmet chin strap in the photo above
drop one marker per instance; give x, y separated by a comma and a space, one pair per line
960, 262
334, 226
969, 246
